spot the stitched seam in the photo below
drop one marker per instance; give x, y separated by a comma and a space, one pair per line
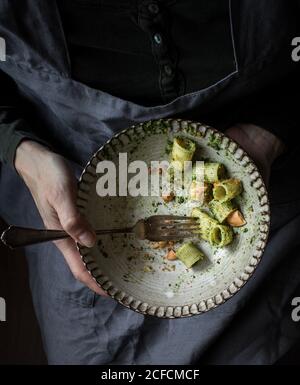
232, 37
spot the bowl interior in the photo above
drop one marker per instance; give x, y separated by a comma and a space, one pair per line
141, 277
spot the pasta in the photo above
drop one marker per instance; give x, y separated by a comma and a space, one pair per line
221, 235
212, 187
227, 189
211, 231
221, 210
183, 150
213, 172
206, 223
189, 254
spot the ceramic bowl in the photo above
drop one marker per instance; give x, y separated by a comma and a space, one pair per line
140, 277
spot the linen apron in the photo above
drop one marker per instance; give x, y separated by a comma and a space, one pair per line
78, 326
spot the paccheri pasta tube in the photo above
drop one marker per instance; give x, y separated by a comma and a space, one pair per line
211, 171
227, 189
211, 231
183, 150
206, 223
214, 172
189, 254
221, 210
221, 235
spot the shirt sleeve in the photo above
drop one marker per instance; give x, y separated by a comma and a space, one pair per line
13, 125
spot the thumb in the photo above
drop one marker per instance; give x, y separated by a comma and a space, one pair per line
75, 224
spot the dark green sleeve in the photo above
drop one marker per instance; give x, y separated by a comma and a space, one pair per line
13, 126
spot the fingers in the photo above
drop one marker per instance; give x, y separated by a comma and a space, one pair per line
68, 246
69, 250
76, 225
73, 222
73, 259
233, 132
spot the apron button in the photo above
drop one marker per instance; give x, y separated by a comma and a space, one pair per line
157, 38
153, 8
168, 70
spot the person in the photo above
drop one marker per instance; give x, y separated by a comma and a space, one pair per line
75, 73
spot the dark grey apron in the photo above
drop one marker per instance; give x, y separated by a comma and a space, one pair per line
78, 326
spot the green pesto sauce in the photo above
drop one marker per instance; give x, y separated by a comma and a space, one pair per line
215, 142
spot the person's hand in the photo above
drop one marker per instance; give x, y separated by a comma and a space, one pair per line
53, 188
261, 145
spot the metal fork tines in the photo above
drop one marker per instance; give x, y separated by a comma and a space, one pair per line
169, 227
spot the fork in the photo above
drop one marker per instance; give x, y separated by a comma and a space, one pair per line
154, 228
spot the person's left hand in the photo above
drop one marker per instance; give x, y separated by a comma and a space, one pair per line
261, 145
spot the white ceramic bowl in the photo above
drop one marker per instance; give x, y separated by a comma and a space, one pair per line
139, 276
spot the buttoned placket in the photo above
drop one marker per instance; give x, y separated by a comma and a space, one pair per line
153, 19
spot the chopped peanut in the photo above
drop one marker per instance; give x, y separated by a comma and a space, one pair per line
236, 219
171, 255
168, 198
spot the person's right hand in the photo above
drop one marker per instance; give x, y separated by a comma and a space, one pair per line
53, 187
